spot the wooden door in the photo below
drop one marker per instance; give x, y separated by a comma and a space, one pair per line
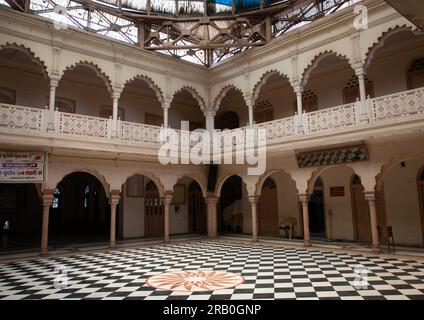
153, 210
362, 214
196, 210
268, 212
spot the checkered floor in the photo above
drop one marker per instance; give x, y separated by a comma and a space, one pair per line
270, 273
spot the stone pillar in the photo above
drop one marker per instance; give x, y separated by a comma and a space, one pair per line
166, 203
371, 198
362, 94
211, 216
46, 201
210, 120
250, 108
299, 90
166, 106
115, 99
304, 198
253, 202
52, 101
115, 195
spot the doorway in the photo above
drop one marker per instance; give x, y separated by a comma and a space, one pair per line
153, 226
268, 209
361, 211
317, 211
196, 209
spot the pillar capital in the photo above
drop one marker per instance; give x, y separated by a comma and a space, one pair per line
166, 105
167, 198
305, 197
47, 197
115, 196
54, 82
253, 199
209, 113
370, 196
116, 93
359, 71
211, 200
297, 87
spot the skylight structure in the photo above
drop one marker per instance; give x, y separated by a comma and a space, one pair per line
200, 31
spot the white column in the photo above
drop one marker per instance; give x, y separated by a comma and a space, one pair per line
362, 94
52, 101
166, 203
299, 90
250, 108
166, 106
371, 198
211, 216
47, 200
253, 202
115, 98
210, 120
304, 198
115, 195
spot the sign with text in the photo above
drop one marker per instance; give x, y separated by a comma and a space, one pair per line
22, 167
337, 192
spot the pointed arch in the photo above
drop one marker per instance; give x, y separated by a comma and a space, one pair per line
98, 71
93, 172
263, 80
197, 179
267, 175
194, 94
382, 39
37, 60
316, 61
224, 179
149, 175
223, 92
152, 85
320, 170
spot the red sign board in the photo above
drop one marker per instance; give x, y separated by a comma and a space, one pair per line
337, 192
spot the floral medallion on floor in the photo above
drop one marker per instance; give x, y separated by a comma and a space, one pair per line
195, 280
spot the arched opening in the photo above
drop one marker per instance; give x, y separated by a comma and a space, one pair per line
196, 209
316, 210
324, 82
351, 90
361, 211
234, 213
274, 100
268, 210
227, 120
184, 107
390, 61
232, 107
140, 210
80, 211
23, 79
82, 90
20, 215
402, 202
139, 103
415, 74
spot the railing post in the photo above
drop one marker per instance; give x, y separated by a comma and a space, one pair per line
367, 112
111, 129
56, 121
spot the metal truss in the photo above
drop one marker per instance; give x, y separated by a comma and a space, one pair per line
199, 31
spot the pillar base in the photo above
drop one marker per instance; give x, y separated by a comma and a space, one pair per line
43, 252
112, 245
307, 244
377, 250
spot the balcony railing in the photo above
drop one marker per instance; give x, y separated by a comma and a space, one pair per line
407, 105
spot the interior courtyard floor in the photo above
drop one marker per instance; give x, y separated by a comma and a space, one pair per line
269, 270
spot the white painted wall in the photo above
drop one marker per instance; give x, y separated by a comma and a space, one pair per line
402, 202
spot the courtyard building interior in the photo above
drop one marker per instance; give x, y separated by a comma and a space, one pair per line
343, 110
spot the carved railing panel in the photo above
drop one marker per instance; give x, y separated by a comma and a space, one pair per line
81, 125
139, 133
18, 117
332, 118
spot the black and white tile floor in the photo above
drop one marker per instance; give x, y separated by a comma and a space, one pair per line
270, 272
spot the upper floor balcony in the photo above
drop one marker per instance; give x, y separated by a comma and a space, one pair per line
391, 111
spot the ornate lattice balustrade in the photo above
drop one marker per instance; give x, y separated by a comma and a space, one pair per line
138, 133
81, 125
23, 118
402, 106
